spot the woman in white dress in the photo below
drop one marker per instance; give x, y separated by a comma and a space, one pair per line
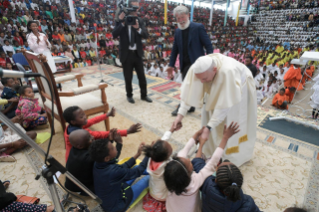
39, 43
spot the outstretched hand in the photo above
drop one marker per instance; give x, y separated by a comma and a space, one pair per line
134, 128
111, 134
197, 135
231, 130
112, 112
117, 137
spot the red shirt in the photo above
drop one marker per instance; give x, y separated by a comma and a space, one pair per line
95, 134
108, 35
3, 62
89, 62
55, 37
83, 54
102, 53
36, 13
19, 39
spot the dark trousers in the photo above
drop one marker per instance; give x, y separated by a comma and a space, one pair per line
133, 61
185, 70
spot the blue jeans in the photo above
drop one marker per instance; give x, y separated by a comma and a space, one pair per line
138, 187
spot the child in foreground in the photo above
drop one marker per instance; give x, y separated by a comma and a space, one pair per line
159, 153
223, 193
182, 182
30, 111
77, 120
112, 182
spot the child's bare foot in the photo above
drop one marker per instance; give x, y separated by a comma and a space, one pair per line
134, 128
6, 184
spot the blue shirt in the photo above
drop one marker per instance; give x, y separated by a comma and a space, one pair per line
68, 22
8, 93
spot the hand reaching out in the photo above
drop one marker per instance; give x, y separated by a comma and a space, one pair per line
139, 150
134, 128
198, 134
112, 112
231, 130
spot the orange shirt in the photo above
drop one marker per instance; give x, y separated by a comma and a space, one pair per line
292, 78
289, 94
61, 37
280, 99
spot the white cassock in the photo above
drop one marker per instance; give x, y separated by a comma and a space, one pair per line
230, 97
314, 103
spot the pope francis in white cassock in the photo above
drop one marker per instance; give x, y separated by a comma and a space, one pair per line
226, 91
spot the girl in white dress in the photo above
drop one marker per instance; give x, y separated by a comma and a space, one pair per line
39, 43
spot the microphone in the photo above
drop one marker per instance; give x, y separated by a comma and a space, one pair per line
17, 74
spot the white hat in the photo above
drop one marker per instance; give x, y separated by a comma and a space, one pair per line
202, 64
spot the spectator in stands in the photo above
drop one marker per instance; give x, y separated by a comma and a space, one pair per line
252, 68
39, 43
7, 47
188, 51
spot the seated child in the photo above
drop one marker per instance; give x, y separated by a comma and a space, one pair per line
182, 182
79, 163
223, 192
159, 153
280, 100
112, 182
9, 93
77, 120
290, 92
10, 141
30, 111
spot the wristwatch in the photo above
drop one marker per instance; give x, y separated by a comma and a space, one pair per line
208, 127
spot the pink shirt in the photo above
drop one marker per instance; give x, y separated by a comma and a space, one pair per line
190, 201
34, 46
216, 51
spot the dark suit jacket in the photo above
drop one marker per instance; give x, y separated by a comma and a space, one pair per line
122, 32
197, 39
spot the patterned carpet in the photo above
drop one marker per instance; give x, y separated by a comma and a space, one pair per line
283, 172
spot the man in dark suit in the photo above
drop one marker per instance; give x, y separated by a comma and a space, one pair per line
131, 52
190, 39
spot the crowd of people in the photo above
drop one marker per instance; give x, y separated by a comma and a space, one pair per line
92, 156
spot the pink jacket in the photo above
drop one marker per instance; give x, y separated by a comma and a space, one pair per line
29, 110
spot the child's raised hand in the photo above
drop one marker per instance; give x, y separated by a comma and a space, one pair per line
112, 112
231, 130
140, 148
117, 137
111, 134
134, 128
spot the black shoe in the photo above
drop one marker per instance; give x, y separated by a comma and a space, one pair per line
174, 113
191, 110
147, 99
130, 100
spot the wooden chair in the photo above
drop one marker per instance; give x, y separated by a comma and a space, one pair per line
79, 96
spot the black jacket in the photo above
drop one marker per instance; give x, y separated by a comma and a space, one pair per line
122, 32
80, 165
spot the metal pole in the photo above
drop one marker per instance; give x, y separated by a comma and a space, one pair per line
192, 10
211, 14
226, 11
